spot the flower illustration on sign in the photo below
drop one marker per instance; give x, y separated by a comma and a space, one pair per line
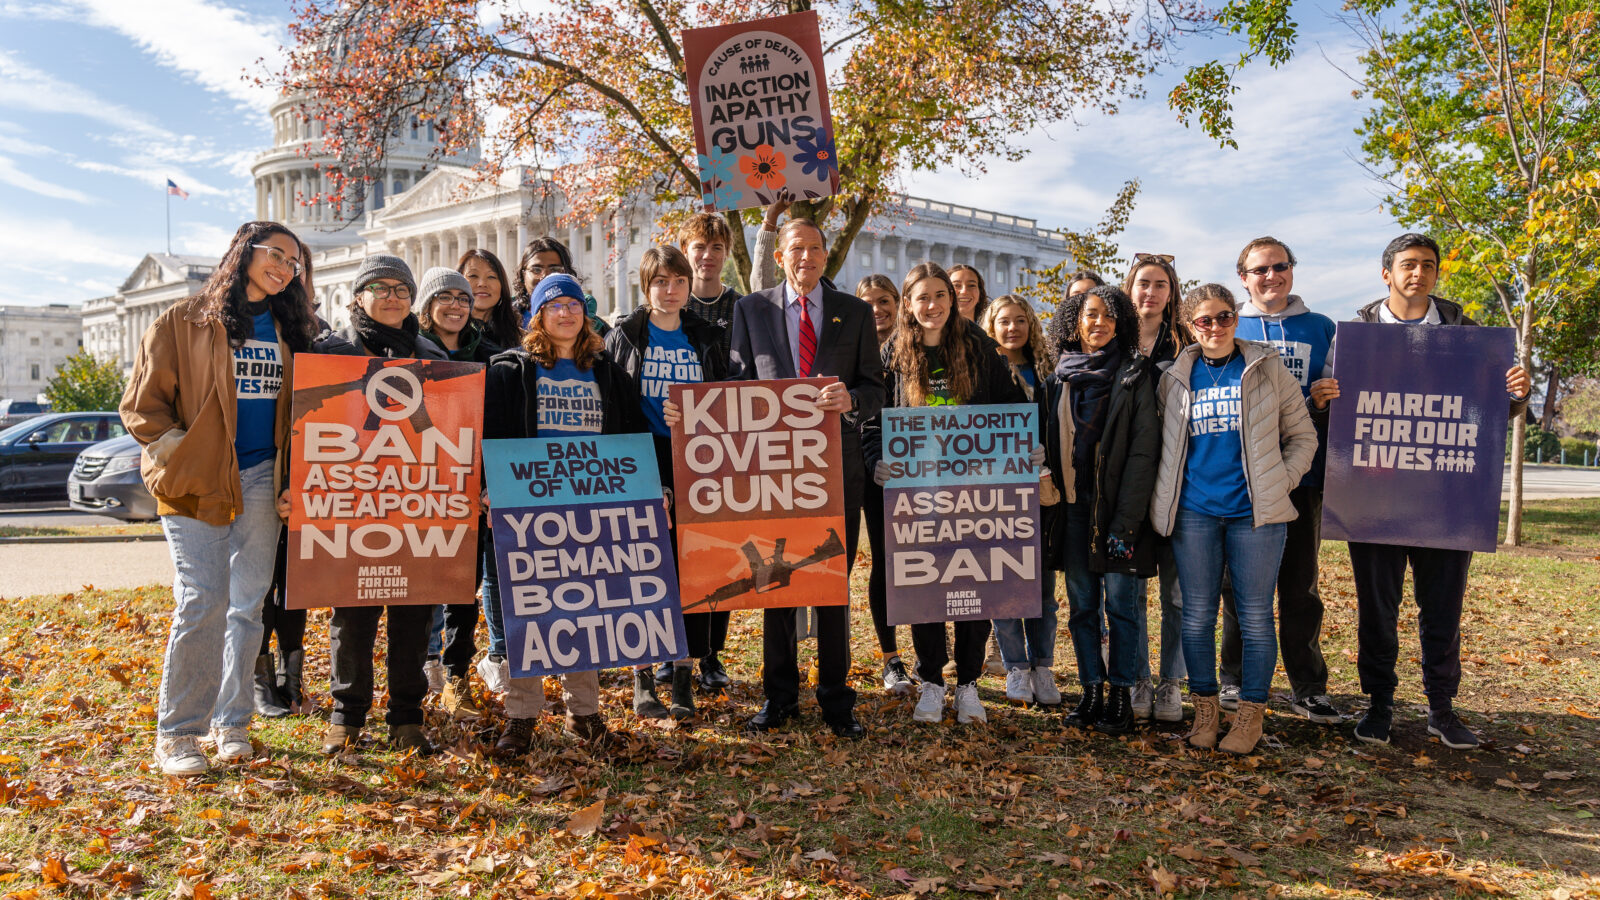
726, 196
816, 154
765, 168
715, 166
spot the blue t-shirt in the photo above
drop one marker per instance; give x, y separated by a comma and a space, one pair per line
1029, 377
569, 400
1213, 475
668, 360
257, 379
1302, 342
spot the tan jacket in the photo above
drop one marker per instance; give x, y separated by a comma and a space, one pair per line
181, 406
1279, 439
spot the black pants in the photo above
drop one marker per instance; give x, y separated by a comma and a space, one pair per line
718, 631
972, 642
780, 678
878, 579
1299, 604
461, 619
288, 624
352, 635
1440, 581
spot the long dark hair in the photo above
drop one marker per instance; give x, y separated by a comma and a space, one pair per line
906, 357
502, 325
223, 296
1177, 333
545, 244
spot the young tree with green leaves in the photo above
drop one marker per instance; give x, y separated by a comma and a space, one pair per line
85, 384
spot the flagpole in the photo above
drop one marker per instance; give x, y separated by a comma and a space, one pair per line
169, 221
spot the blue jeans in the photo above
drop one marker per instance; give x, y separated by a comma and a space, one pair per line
1091, 595
1172, 667
436, 633
1031, 643
222, 576
1203, 545
493, 616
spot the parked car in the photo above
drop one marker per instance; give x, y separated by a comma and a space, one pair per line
106, 481
13, 412
36, 456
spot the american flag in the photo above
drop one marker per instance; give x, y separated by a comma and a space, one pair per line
174, 190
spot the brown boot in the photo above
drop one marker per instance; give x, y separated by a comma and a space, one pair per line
340, 739
515, 739
1203, 736
1246, 730
456, 699
411, 737
590, 729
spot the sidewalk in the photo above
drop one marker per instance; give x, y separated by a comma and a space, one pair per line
29, 569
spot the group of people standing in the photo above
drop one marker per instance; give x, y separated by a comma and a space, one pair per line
1180, 439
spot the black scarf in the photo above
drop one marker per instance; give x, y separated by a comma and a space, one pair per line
1091, 376
468, 340
382, 340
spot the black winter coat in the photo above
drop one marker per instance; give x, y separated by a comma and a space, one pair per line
511, 398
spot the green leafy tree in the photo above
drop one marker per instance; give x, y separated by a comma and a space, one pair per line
1582, 408
85, 384
1095, 248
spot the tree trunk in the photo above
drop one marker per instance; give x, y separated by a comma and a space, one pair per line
1519, 432
740, 251
1547, 416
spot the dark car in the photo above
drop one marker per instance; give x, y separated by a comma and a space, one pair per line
106, 481
13, 412
36, 456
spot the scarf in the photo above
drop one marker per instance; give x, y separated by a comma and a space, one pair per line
1090, 376
382, 340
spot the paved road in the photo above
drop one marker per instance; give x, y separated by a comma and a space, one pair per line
1549, 482
53, 518
29, 569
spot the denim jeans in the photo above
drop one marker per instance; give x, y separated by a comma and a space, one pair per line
1031, 643
1171, 596
1088, 594
1203, 545
222, 576
493, 616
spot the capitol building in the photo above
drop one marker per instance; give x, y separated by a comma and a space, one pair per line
428, 212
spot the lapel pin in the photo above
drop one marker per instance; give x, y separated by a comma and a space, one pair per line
836, 320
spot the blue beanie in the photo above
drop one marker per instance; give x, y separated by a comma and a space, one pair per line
549, 288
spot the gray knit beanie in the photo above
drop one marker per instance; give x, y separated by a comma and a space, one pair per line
436, 279
375, 267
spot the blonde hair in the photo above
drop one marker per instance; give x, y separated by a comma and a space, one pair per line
539, 345
1039, 357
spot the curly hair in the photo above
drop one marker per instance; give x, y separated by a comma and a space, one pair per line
222, 298
906, 356
1205, 293
1038, 354
501, 326
542, 347
1064, 323
983, 292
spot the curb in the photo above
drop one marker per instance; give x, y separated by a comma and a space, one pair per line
84, 539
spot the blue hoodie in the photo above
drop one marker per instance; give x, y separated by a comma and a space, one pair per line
1302, 338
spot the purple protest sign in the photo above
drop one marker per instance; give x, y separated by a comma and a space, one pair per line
1416, 440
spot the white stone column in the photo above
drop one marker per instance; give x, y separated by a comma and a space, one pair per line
522, 235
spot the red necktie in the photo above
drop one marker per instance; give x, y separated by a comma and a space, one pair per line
808, 339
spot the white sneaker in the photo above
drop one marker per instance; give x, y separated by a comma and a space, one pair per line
968, 707
233, 744
1019, 686
1144, 699
1169, 701
1044, 687
181, 756
930, 706
496, 674
433, 670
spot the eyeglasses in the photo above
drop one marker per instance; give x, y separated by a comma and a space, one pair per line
382, 291
279, 258
540, 269
1220, 320
452, 299
1165, 258
574, 307
1258, 271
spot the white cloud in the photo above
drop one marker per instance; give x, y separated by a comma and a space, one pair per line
73, 255
10, 174
28, 89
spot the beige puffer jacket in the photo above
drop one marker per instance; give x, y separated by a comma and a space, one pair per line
1279, 439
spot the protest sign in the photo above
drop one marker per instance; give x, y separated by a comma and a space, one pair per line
1416, 439
384, 481
758, 95
759, 496
581, 545
961, 513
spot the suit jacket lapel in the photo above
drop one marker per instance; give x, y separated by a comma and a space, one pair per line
778, 326
833, 316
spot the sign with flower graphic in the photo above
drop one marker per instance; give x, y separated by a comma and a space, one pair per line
760, 107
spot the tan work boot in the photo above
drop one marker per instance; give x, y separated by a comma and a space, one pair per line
340, 739
411, 737
1203, 736
1246, 730
456, 699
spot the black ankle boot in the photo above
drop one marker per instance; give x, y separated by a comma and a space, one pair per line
645, 704
290, 676
682, 692
268, 703
1117, 717
1090, 707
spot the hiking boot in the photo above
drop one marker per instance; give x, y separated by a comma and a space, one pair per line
340, 739
664, 672
517, 736
233, 744
411, 737
968, 707
181, 756
590, 729
949, 670
713, 677
456, 699
1143, 700
433, 670
1090, 706
645, 703
1117, 717
496, 673
1019, 686
992, 664
269, 704
1318, 708
1375, 724
1228, 697
1246, 731
1207, 721
930, 706
1045, 692
1451, 732
682, 692
1169, 701
895, 678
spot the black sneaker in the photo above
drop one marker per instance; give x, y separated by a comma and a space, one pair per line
713, 677
1448, 728
895, 678
1318, 708
1374, 726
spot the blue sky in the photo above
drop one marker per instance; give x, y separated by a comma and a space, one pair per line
102, 100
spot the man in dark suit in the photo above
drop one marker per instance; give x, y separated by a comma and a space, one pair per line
804, 328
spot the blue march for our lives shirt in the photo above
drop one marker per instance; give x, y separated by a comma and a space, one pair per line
1213, 476
668, 360
569, 400
1302, 339
257, 379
